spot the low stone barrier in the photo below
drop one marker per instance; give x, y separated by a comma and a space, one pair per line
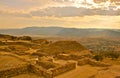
92, 62
35, 68
46, 64
97, 63
63, 68
41, 71
23, 68
72, 56
82, 62
20, 69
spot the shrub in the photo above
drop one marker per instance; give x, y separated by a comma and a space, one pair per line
113, 55
98, 57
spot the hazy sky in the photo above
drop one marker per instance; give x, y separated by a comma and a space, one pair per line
64, 13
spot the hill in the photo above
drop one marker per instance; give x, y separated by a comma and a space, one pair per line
63, 47
60, 31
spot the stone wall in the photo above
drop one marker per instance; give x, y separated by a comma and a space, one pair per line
24, 68
21, 69
53, 71
92, 62
40, 71
16, 70
64, 56
63, 68
72, 56
82, 62
46, 64
97, 63
35, 68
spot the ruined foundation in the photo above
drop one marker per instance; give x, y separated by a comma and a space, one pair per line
92, 62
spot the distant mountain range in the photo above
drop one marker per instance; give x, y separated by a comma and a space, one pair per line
60, 31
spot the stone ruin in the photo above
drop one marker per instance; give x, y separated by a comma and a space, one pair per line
47, 69
63, 68
16, 70
74, 56
54, 66
92, 62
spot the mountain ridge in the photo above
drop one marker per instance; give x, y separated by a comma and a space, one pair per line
61, 31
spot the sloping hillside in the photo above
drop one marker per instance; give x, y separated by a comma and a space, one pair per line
63, 47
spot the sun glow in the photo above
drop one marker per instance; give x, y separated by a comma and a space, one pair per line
84, 3
90, 4
80, 3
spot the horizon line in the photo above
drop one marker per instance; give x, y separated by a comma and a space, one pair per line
55, 27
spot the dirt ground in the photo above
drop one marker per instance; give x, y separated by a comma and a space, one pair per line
88, 71
9, 61
80, 72
29, 75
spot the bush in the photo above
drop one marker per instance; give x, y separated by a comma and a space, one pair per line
98, 57
113, 55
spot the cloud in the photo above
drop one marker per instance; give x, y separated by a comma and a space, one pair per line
72, 11
29, 4
58, 12
25, 4
99, 1
14, 13
57, 8
67, 13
